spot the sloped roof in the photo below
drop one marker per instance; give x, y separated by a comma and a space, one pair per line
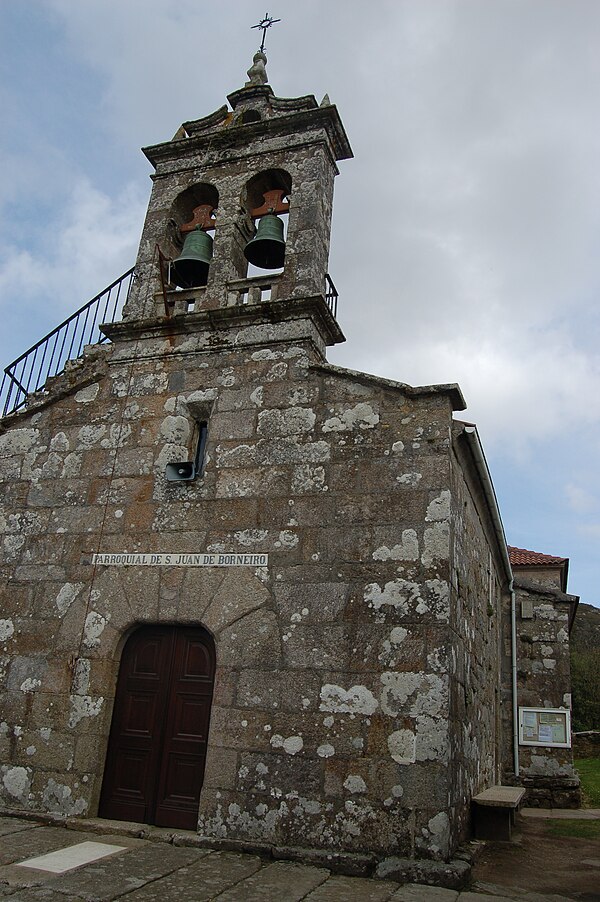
521, 557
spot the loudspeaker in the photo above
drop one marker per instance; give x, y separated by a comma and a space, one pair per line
181, 471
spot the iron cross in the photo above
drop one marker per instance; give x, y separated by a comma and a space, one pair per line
265, 23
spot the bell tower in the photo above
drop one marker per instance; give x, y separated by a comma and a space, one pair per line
240, 215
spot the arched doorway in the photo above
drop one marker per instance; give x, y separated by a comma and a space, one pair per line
157, 745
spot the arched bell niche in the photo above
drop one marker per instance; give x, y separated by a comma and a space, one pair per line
183, 209
267, 191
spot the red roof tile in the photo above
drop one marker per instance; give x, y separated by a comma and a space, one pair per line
523, 558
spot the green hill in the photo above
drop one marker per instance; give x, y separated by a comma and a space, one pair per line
585, 668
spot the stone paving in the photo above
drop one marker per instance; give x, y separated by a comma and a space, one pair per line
150, 871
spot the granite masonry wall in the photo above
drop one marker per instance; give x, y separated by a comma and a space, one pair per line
544, 681
476, 593
343, 679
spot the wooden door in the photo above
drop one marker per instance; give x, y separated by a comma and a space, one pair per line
157, 744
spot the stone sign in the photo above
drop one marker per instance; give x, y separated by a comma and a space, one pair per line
145, 559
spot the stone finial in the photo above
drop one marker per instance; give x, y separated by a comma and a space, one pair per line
257, 73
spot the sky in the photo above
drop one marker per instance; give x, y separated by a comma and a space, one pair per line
466, 230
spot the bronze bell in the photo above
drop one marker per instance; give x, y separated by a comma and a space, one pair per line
190, 269
267, 249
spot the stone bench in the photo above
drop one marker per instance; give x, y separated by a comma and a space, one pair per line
494, 811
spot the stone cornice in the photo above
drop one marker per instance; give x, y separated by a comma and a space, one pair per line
326, 118
224, 318
451, 389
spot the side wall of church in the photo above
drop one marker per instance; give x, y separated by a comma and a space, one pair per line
330, 720
476, 591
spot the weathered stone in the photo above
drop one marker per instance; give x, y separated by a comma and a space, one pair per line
277, 880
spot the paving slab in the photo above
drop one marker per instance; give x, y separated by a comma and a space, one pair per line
39, 894
199, 882
278, 882
19, 876
516, 893
417, 892
345, 889
113, 877
483, 897
21, 845
16, 825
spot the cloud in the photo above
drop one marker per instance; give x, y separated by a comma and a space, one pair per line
579, 499
90, 242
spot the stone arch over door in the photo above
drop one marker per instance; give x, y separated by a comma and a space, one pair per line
157, 745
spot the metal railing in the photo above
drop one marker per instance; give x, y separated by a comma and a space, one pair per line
331, 295
30, 372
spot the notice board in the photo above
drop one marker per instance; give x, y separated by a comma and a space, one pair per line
545, 726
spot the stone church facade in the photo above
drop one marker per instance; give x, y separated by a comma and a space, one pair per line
245, 591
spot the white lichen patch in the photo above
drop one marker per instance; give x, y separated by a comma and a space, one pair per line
257, 396
399, 594
93, 629
118, 434
361, 416
198, 397
7, 629
356, 700
17, 782
436, 541
546, 612
84, 706
59, 443
432, 739
397, 447
406, 550
175, 430
437, 835
412, 479
58, 799
88, 436
390, 645
439, 508
249, 537
307, 479
87, 394
402, 746
12, 545
30, 685
354, 783
66, 596
287, 539
326, 750
277, 372
437, 592
413, 694
293, 744
18, 441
